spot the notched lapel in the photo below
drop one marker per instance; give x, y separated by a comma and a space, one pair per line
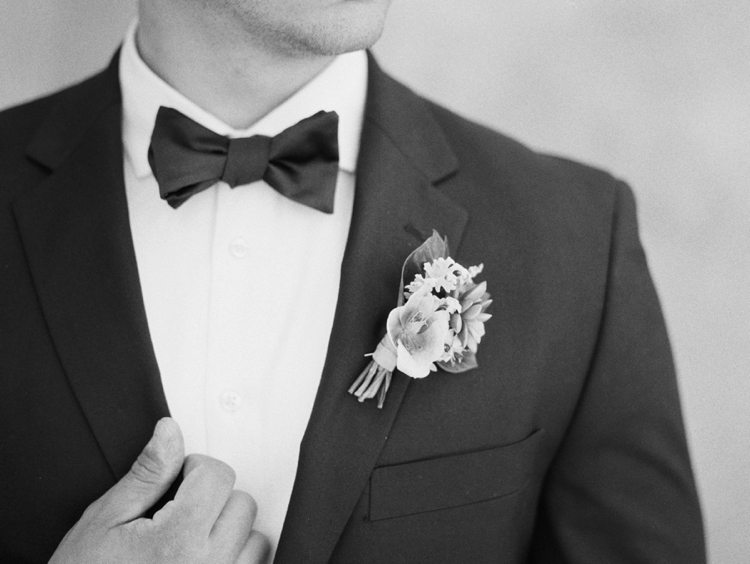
403, 154
76, 236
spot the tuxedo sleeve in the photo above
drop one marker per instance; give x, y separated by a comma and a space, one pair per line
620, 488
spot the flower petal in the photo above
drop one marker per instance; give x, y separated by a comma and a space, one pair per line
476, 292
456, 322
398, 318
424, 348
476, 330
464, 334
472, 312
410, 366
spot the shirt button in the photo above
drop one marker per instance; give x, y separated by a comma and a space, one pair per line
238, 248
230, 400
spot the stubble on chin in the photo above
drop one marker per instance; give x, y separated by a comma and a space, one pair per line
341, 28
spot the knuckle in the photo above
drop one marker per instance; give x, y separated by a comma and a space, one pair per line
148, 466
95, 511
257, 548
219, 472
178, 544
248, 505
213, 467
225, 472
193, 461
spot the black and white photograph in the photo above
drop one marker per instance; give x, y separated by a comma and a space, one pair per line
374, 282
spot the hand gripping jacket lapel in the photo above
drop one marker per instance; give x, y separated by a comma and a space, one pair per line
76, 236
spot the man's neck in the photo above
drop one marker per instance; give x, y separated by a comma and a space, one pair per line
219, 68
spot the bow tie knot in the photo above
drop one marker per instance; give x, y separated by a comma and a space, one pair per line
301, 162
247, 160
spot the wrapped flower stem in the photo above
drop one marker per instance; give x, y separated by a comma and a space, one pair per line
375, 379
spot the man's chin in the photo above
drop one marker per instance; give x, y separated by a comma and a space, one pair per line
346, 42
353, 27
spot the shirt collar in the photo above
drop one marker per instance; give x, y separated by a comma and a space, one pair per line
341, 87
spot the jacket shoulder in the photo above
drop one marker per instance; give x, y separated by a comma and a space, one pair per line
18, 127
562, 213
19, 123
492, 154
50, 122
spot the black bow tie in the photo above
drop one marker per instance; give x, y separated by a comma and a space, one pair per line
300, 162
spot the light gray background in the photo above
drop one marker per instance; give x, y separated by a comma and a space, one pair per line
656, 91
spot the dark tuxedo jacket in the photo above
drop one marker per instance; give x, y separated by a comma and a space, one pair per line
565, 445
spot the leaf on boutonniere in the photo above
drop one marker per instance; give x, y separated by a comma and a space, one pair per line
434, 247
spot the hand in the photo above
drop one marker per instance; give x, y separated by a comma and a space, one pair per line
207, 522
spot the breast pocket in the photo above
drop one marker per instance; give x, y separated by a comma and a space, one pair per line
451, 481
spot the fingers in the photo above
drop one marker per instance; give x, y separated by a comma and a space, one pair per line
205, 490
233, 527
149, 478
256, 550
209, 509
206, 522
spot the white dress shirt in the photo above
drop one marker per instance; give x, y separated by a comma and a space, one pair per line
240, 285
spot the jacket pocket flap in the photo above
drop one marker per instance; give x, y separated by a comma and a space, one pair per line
451, 481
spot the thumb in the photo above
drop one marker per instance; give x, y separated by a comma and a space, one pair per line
149, 478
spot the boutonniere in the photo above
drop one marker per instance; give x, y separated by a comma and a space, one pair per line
438, 320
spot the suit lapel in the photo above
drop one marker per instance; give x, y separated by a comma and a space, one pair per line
76, 236
403, 155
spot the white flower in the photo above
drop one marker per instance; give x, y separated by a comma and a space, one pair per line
452, 305
416, 284
418, 330
441, 272
474, 270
